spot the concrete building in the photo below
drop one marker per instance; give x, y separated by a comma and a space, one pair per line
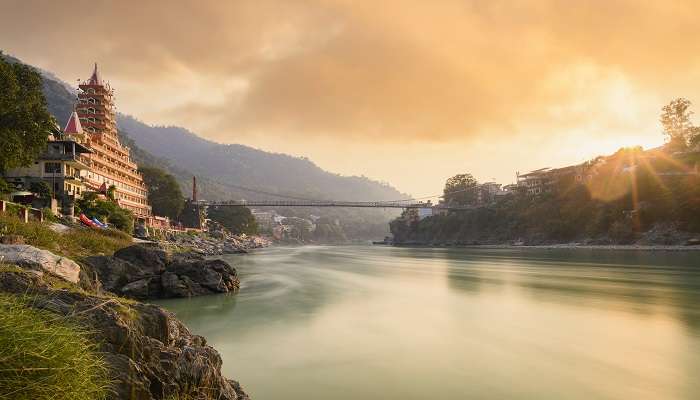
110, 163
265, 219
486, 192
544, 180
61, 167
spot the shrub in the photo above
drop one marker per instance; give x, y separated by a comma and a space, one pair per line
5, 187
76, 242
49, 215
45, 356
107, 211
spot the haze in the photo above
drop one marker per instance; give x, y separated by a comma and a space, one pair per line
401, 91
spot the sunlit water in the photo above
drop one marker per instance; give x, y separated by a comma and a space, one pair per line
354, 322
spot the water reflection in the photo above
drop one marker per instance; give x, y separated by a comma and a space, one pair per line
352, 322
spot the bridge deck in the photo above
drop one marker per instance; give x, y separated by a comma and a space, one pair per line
355, 204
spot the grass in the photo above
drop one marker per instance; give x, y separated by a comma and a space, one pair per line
43, 356
77, 242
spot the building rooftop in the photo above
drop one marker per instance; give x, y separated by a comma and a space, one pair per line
73, 126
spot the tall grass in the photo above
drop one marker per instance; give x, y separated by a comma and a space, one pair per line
76, 242
44, 356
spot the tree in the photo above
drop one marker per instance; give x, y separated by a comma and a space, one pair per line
41, 189
677, 126
111, 192
5, 187
460, 190
236, 219
164, 192
25, 123
106, 211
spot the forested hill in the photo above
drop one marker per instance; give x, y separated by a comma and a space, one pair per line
243, 165
222, 169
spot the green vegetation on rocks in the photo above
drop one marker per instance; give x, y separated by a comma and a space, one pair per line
76, 242
106, 211
45, 356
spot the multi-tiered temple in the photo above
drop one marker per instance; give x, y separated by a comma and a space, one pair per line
110, 162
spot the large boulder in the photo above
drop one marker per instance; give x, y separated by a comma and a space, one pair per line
150, 354
149, 272
151, 257
194, 277
39, 261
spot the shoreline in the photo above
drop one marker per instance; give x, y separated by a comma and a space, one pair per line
565, 246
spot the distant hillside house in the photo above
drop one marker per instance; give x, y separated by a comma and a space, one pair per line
110, 162
543, 180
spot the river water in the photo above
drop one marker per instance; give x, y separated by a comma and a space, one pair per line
361, 322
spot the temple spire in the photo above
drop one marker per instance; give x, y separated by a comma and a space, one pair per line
73, 127
95, 78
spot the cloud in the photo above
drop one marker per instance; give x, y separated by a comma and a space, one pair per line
379, 73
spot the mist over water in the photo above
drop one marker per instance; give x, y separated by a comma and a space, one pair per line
349, 322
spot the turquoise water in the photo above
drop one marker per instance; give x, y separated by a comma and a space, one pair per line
361, 322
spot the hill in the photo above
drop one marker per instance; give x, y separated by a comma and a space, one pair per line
234, 171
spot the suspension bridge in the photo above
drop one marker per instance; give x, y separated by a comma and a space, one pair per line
330, 203
292, 201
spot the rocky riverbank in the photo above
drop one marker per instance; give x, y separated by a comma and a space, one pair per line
664, 237
217, 243
619, 247
151, 271
148, 353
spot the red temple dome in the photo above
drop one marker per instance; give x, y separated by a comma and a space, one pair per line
73, 126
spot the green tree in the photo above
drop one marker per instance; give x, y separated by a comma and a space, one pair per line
164, 192
460, 190
106, 211
41, 189
111, 191
5, 187
25, 122
675, 119
236, 219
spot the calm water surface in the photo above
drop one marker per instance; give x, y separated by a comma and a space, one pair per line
360, 322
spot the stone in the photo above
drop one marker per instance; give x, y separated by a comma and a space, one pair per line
42, 261
149, 353
147, 271
150, 256
137, 289
693, 242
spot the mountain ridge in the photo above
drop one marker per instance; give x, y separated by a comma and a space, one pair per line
235, 171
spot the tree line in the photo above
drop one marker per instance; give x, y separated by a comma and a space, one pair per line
632, 193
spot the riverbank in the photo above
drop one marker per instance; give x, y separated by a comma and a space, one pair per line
69, 280
558, 246
216, 243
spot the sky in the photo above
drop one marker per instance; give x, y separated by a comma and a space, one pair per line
407, 92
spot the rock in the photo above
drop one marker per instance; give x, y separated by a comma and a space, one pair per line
152, 256
199, 277
693, 242
137, 289
148, 272
40, 261
150, 354
60, 228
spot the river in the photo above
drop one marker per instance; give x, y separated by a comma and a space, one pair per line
361, 322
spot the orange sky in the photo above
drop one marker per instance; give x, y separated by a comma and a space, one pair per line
409, 92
